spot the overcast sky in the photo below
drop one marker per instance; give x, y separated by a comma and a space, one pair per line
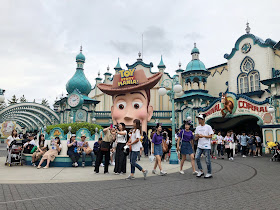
40, 39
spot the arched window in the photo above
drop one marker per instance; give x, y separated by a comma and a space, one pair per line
246, 88
251, 83
257, 82
243, 83
247, 64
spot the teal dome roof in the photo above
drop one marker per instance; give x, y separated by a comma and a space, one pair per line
80, 57
195, 65
195, 50
80, 82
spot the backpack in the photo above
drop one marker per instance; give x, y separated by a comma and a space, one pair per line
251, 141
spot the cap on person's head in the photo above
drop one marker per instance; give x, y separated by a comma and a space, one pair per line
83, 136
30, 135
201, 116
73, 135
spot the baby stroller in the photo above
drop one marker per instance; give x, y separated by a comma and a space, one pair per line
275, 148
14, 156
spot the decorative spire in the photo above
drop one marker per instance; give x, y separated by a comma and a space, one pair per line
108, 68
247, 28
81, 48
118, 66
179, 64
99, 73
194, 45
161, 64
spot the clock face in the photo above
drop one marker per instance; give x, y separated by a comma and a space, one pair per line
74, 100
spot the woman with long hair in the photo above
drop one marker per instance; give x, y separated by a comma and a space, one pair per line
42, 148
157, 149
187, 138
120, 157
72, 151
12, 137
52, 153
135, 149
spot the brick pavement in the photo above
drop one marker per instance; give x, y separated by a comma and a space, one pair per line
248, 183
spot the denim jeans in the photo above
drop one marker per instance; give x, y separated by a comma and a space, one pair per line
133, 163
84, 156
199, 151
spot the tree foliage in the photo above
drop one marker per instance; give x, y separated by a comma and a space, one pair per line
14, 100
75, 127
22, 99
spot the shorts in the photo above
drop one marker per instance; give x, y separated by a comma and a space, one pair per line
252, 147
158, 149
186, 148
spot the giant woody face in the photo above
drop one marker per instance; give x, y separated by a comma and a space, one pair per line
132, 105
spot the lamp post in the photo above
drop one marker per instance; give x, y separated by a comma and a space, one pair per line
176, 88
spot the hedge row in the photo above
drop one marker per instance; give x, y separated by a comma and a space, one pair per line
75, 127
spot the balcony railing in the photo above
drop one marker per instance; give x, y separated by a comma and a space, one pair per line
162, 114
102, 114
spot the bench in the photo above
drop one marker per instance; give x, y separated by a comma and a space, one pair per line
62, 160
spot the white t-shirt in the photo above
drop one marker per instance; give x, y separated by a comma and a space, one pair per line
10, 138
121, 138
136, 135
220, 139
206, 130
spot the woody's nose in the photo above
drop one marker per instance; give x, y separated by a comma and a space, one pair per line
128, 115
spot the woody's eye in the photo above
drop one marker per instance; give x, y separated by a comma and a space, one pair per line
121, 105
137, 105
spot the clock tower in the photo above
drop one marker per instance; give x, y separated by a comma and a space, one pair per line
77, 106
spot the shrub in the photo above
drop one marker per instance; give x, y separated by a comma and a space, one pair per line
75, 127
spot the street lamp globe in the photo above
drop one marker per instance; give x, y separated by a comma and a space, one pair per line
69, 128
270, 109
94, 120
177, 88
162, 91
96, 130
189, 118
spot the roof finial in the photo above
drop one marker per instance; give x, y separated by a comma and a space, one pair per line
81, 48
180, 64
247, 28
108, 68
139, 54
99, 73
194, 44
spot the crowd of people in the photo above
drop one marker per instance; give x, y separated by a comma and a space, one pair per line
118, 145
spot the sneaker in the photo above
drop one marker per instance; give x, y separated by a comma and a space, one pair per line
130, 177
182, 172
164, 161
116, 173
207, 176
96, 172
145, 173
39, 167
33, 164
46, 167
243, 156
232, 158
254, 156
106, 172
76, 164
93, 164
215, 158
195, 173
199, 174
102, 165
229, 159
154, 171
162, 173
83, 164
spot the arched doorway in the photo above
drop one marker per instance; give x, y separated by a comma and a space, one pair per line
239, 123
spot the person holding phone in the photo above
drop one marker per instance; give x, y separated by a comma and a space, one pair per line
120, 157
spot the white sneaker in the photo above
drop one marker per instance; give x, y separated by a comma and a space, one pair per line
195, 173
102, 165
229, 159
232, 158
76, 164
207, 176
154, 171
162, 173
199, 174
243, 156
181, 172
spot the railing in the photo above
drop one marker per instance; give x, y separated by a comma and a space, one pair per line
102, 114
162, 114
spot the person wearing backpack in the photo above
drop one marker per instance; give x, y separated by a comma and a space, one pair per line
252, 145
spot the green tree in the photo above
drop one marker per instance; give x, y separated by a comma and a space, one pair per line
45, 102
14, 100
22, 99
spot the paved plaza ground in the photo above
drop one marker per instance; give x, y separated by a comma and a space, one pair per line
245, 183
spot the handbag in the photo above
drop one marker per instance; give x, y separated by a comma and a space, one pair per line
164, 146
88, 150
105, 146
